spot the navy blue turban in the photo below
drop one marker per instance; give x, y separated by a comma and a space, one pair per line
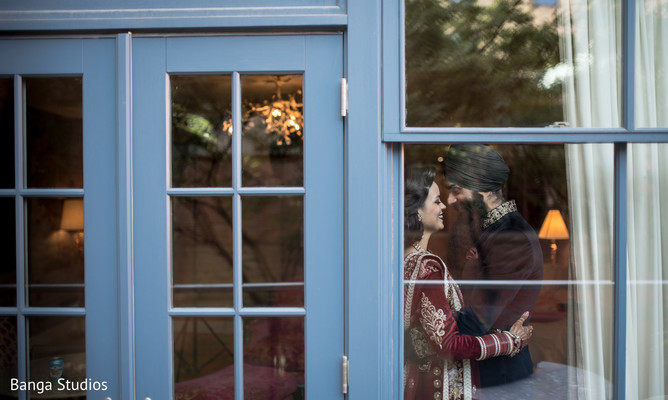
475, 167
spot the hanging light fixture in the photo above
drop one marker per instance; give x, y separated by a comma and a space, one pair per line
279, 116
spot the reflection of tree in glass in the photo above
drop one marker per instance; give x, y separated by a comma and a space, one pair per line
474, 65
200, 149
207, 227
275, 225
201, 157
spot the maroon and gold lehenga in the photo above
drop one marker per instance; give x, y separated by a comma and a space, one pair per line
440, 363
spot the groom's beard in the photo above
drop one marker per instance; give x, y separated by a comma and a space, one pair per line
464, 233
475, 209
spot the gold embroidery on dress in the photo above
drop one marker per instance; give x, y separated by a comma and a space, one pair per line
427, 269
409, 267
420, 343
432, 320
425, 365
410, 272
452, 292
498, 213
455, 377
469, 388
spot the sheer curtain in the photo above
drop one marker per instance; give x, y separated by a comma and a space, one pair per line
590, 49
592, 94
647, 344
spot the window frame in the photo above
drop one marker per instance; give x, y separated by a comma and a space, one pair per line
395, 133
394, 82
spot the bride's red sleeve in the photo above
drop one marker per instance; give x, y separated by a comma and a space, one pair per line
431, 310
433, 328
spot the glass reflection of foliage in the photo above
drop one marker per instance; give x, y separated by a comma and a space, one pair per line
473, 65
202, 346
273, 250
201, 150
198, 150
202, 153
201, 251
196, 125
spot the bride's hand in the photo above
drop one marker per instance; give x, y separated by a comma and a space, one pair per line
518, 328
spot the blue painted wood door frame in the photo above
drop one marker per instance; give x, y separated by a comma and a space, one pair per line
94, 60
320, 59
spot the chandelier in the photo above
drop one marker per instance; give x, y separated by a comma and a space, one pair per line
279, 116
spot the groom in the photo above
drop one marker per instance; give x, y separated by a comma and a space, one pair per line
504, 247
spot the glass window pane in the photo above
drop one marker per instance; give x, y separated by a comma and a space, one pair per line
202, 251
506, 63
274, 358
536, 236
651, 64
55, 252
8, 250
8, 354
57, 349
273, 251
6, 133
273, 130
53, 129
647, 326
203, 357
201, 131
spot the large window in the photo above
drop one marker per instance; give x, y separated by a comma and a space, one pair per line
527, 63
482, 63
571, 94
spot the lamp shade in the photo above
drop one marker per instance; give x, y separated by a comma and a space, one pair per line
72, 218
554, 227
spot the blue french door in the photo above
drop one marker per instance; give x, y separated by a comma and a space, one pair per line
59, 273
238, 216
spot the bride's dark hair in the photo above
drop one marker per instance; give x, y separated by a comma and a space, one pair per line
417, 182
